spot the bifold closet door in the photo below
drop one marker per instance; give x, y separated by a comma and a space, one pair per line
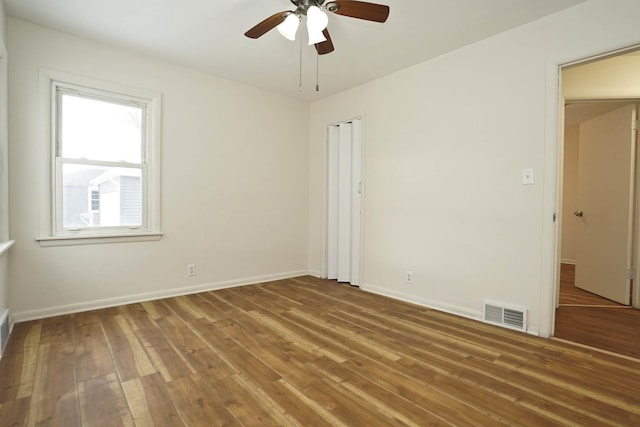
344, 202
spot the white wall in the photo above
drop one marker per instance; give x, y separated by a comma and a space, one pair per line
445, 142
570, 193
234, 183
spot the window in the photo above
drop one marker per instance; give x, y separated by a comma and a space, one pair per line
94, 200
104, 161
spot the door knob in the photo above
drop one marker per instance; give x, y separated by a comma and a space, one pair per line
578, 213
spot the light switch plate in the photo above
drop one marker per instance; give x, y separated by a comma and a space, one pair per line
527, 176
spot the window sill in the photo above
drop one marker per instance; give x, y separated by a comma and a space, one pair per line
48, 241
4, 246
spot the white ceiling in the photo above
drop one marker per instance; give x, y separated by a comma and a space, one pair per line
208, 35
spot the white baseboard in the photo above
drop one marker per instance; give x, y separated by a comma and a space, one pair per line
168, 293
568, 261
436, 305
316, 274
24, 316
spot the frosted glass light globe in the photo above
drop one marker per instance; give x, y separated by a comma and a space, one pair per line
317, 21
289, 26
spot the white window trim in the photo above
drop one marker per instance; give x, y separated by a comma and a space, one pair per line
49, 236
5, 242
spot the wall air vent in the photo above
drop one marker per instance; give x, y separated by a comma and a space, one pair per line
4, 329
508, 316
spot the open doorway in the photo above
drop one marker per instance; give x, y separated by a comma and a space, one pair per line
599, 254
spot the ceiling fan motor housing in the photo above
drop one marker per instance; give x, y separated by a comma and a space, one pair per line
303, 5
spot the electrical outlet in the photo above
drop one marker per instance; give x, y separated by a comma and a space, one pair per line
409, 277
191, 269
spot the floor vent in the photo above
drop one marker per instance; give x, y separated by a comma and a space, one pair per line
507, 316
4, 329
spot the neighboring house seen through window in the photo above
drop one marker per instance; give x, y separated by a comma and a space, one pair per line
104, 180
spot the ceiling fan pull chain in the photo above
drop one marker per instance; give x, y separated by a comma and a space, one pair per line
317, 72
300, 71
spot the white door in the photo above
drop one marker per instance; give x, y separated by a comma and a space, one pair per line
344, 172
606, 171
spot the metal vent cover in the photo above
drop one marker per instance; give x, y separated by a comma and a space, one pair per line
4, 329
503, 315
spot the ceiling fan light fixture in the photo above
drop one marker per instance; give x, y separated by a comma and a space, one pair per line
317, 21
289, 26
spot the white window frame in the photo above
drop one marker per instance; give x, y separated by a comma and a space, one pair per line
52, 231
5, 243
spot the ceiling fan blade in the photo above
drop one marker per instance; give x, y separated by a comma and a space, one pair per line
360, 9
268, 24
326, 46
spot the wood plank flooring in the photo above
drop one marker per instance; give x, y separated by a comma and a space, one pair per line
571, 295
302, 352
591, 320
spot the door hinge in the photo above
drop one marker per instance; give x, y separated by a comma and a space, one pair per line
635, 125
554, 217
630, 273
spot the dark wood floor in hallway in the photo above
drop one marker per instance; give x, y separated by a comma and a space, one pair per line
302, 352
591, 320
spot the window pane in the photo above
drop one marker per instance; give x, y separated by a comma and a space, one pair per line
100, 130
95, 201
115, 192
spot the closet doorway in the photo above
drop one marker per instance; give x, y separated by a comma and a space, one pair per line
344, 201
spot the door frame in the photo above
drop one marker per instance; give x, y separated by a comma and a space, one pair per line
634, 248
552, 187
362, 189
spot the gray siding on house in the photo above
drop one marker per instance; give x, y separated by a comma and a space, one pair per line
76, 199
75, 204
130, 200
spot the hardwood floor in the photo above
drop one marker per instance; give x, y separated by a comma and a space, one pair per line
591, 320
302, 352
570, 295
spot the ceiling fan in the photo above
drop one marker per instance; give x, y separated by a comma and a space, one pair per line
287, 22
